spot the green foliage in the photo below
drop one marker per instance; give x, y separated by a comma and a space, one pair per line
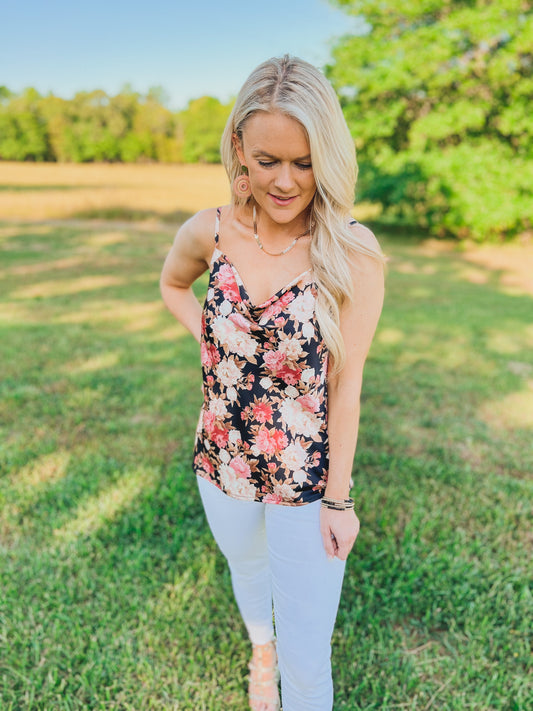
23, 131
203, 123
437, 95
94, 126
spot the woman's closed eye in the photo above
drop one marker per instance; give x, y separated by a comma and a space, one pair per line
270, 163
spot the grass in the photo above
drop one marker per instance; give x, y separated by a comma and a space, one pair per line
113, 593
42, 191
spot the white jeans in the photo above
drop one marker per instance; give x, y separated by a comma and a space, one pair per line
276, 555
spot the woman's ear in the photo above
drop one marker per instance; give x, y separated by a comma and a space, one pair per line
237, 144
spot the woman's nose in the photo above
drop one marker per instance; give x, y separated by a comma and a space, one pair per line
284, 180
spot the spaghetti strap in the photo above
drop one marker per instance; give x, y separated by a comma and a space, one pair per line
217, 225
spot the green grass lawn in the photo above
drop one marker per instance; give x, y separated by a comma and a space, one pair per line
112, 592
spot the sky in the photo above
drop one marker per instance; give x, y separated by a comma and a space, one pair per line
189, 47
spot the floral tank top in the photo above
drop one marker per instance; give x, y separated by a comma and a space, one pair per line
262, 432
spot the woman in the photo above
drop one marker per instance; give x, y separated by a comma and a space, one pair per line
294, 297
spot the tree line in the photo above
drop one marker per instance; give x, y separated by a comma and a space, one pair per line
95, 126
437, 95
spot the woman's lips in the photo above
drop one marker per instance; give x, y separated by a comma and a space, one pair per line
278, 200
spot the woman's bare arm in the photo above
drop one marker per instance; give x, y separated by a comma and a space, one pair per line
358, 322
187, 260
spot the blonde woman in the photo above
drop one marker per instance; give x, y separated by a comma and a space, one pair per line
294, 297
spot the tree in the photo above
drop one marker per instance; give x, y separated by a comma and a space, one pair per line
203, 122
23, 129
437, 94
94, 126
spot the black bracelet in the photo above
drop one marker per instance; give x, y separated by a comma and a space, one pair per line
337, 504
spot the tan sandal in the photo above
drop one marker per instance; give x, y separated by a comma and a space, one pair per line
263, 692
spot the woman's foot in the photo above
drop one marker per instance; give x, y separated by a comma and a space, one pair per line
263, 686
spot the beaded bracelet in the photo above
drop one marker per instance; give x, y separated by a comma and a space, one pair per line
337, 504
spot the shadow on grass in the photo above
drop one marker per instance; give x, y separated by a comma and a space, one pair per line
113, 594
126, 214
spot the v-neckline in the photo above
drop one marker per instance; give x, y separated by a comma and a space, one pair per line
242, 286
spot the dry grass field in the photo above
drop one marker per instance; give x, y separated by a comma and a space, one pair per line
44, 191
40, 191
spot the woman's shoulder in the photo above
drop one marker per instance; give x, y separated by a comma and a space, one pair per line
201, 223
364, 236
199, 230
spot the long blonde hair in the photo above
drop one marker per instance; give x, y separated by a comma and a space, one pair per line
297, 89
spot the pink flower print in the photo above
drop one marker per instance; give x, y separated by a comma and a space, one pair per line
265, 442
231, 292
240, 467
226, 280
204, 355
274, 360
270, 441
240, 322
210, 380
284, 491
206, 465
272, 499
299, 420
225, 274
262, 412
272, 466
302, 308
277, 306
209, 421
280, 322
280, 438
308, 402
291, 347
219, 435
290, 376
209, 354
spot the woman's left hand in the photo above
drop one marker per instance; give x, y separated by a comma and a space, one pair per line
339, 530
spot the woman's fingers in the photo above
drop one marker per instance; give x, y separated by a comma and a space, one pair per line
339, 531
330, 544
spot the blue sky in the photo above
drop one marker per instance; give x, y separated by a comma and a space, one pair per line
191, 48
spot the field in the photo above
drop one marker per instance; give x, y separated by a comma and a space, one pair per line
113, 595
49, 190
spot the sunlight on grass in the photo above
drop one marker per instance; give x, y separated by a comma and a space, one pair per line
55, 264
7, 232
97, 362
419, 292
513, 410
11, 312
68, 286
105, 239
44, 469
171, 333
99, 510
390, 336
504, 342
133, 316
474, 276
451, 353
514, 262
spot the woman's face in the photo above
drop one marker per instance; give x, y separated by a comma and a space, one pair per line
276, 151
